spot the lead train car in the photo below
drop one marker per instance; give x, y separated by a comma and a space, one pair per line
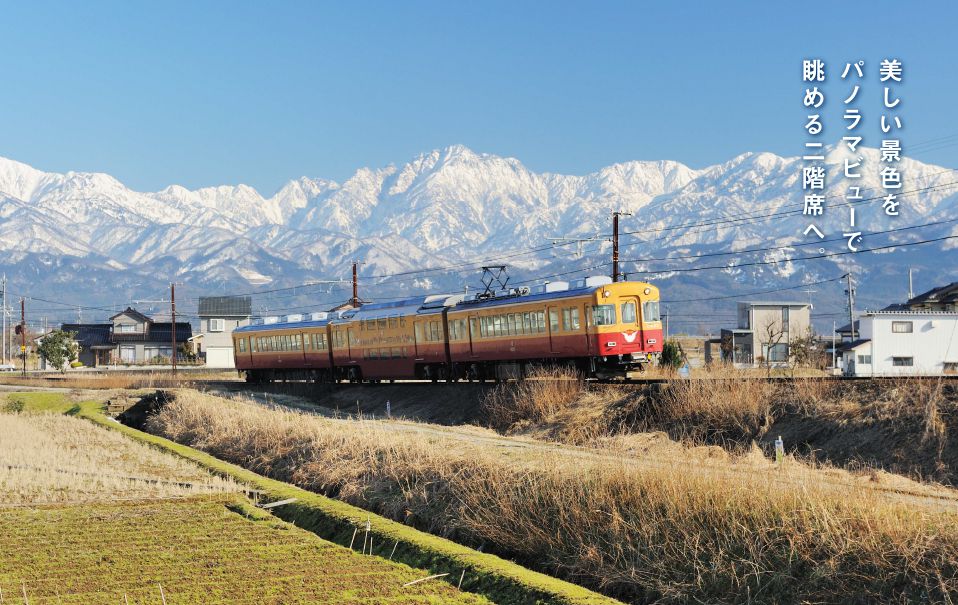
601, 328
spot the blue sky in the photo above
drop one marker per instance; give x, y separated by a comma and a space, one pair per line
206, 93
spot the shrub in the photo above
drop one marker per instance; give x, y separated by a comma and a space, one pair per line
672, 355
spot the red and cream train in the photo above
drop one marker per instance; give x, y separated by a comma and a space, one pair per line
602, 328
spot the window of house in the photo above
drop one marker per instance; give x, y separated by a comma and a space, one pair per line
903, 362
902, 327
628, 312
604, 315
650, 311
777, 352
217, 325
865, 359
785, 320
126, 328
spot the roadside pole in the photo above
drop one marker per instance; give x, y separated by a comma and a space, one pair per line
173, 324
23, 334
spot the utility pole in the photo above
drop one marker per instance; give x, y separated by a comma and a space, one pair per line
3, 285
911, 290
23, 334
173, 324
615, 243
851, 304
355, 300
833, 345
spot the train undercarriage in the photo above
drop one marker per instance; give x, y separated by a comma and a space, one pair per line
607, 367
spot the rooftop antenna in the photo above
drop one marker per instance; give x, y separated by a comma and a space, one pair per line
492, 276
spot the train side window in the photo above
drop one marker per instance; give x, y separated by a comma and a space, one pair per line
417, 332
650, 311
553, 320
298, 342
393, 322
436, 330
628, 312
241, 344
252, 344
574, 317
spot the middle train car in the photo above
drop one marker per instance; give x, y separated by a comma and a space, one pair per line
601, 328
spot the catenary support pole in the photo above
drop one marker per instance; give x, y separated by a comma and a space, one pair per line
851, 304
355, 300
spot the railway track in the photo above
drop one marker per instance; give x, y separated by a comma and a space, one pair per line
240, 385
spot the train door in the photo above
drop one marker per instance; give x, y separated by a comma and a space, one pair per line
473, 334
351, 344
629, 313
417, 338
590, 330
552, 317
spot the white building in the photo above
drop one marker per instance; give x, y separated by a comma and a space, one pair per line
765, 333
902, 343
219, 316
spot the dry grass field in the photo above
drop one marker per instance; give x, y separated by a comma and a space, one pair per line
124, 379
48, 458
668, 525
195, 551
90, 516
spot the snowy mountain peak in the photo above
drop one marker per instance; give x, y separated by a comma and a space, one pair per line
447, 206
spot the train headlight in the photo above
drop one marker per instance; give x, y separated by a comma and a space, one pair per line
606, 294
648, 291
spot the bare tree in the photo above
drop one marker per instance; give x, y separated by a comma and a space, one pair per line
773, 333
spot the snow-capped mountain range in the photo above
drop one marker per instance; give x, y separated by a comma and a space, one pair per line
88, 239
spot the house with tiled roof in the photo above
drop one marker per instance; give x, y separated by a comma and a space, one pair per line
130, 338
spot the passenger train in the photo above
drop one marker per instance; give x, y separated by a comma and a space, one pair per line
603, 329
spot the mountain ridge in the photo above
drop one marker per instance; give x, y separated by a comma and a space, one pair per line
451, 206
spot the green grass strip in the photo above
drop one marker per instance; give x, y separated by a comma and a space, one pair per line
502, 581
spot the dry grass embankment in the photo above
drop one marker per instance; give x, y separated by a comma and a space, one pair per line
50, 458
675, 532
900, 425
